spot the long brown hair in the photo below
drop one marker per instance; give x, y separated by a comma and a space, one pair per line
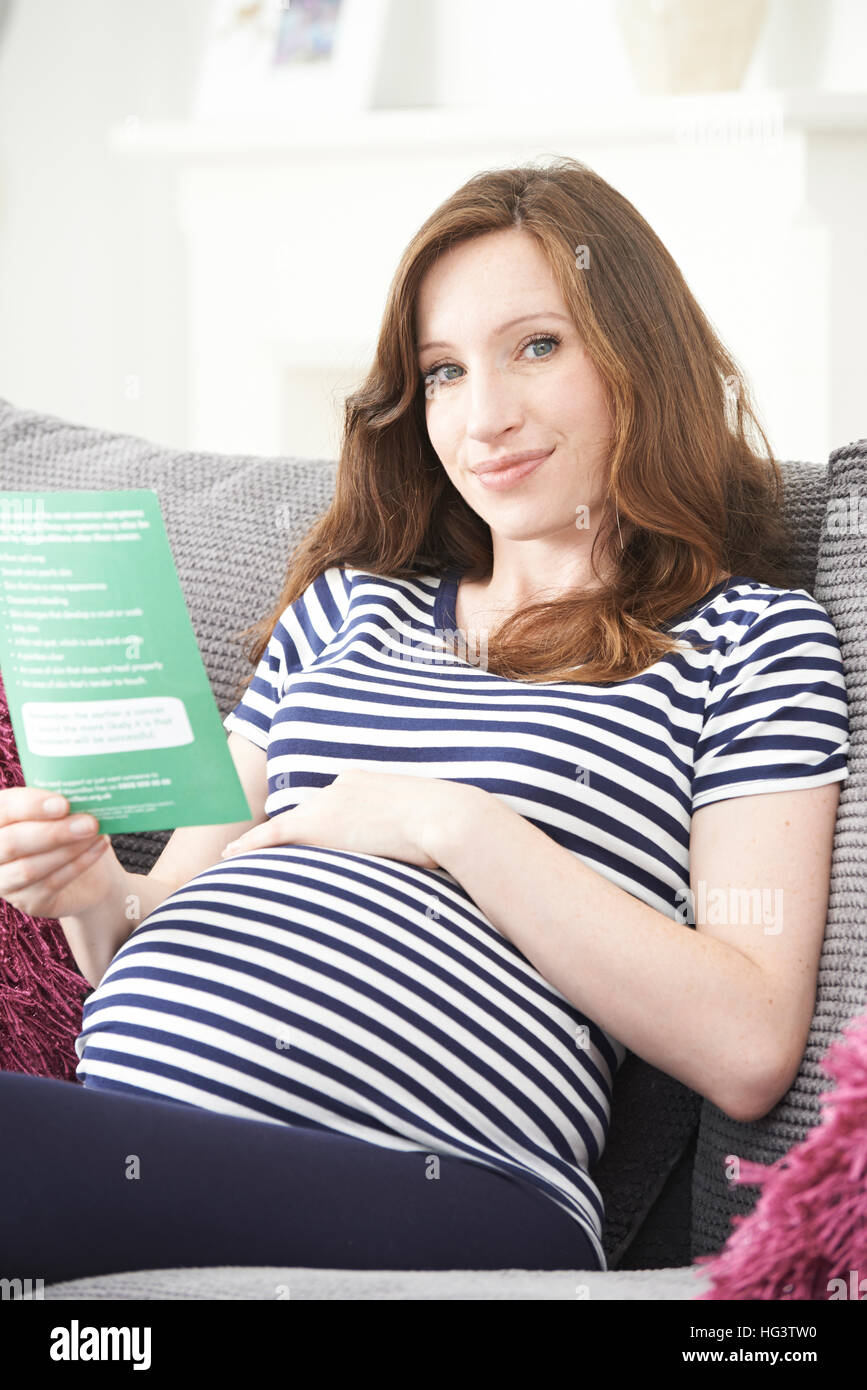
687, 493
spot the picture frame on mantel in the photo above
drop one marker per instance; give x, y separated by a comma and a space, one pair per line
304, 58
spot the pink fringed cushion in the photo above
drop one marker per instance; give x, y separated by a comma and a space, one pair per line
806, 1238
41, 991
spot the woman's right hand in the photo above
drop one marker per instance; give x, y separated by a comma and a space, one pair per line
45, 869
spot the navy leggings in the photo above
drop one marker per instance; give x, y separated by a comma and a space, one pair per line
99, 1182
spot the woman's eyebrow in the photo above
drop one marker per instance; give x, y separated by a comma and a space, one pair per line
541, 314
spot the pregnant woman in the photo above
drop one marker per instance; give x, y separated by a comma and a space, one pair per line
543, 754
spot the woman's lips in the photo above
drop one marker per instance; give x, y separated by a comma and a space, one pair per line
499, 478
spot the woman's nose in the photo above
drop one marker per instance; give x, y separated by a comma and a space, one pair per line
494, 401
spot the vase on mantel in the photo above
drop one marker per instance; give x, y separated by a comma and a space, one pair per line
690, 45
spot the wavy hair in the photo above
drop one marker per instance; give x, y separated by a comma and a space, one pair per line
693, 489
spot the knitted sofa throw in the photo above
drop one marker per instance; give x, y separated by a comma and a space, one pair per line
41, 990
806, 1237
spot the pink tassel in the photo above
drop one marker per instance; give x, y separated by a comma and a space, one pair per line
41, 992
809, 1226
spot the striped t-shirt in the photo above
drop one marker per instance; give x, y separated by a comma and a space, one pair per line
316, 986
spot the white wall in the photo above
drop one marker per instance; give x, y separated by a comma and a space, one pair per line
91, 261
92, 272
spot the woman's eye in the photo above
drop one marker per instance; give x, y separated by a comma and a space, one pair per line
432, 373
536, 342
431, 378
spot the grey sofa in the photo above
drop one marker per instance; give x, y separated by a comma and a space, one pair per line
232, 522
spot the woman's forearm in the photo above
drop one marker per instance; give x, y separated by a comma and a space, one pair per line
97, 935
684, 1001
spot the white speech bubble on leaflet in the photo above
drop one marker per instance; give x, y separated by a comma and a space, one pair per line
72, 728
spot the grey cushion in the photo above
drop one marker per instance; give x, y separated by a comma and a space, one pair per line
240, 1282
841, 586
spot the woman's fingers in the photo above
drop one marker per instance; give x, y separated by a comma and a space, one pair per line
30, 883
22, 837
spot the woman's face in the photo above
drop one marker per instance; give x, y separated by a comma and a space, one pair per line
491, 391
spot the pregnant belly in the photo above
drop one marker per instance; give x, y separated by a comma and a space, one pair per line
322, 987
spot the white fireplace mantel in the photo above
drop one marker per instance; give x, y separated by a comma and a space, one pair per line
293, 235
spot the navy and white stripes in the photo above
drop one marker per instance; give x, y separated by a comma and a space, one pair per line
321, 987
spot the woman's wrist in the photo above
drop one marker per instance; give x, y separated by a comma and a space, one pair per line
95, 933
449, 818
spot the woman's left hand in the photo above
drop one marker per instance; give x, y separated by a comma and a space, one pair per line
371, 812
